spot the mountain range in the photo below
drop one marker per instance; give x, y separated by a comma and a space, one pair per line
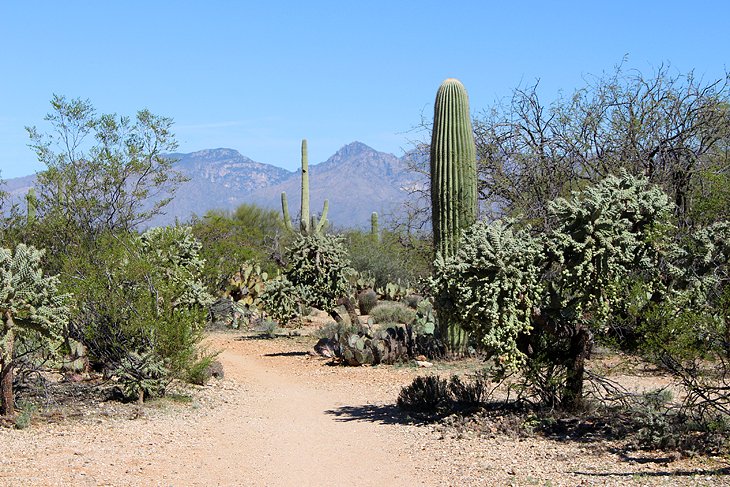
356, 180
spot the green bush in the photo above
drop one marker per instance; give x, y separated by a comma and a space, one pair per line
393, 312
386, 260
140, 295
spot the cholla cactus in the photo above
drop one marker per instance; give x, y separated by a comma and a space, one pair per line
318, 264
176, 252
605, 232
31, 305
490, 286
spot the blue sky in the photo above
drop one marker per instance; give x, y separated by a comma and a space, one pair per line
260, 76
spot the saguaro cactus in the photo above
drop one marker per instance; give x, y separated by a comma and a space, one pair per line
374, 227
31, 201
453, 183
307, 225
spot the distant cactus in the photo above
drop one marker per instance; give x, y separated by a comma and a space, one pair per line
374, 227
453, 182
307, 225
32, 205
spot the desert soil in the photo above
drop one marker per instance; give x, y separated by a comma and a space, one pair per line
283, 418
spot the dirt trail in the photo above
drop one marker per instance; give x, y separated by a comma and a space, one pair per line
273, 426
281, 418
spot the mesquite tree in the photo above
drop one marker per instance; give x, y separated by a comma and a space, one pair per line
453, 185
30, 305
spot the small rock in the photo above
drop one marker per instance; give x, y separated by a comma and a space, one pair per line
423, 363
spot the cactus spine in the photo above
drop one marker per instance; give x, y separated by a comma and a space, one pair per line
308, 225
453, 183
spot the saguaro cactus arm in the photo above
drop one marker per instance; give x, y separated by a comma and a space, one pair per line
285, 212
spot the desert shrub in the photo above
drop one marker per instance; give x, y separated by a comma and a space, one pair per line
318, 266
25, 415
425, 394
385, 260
232, 238
366, 301
433, 396
393, 312
204, 369
141, 295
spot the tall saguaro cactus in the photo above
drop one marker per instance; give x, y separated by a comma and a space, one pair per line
453, 185
307, 225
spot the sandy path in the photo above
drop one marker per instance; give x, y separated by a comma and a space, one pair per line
272, 428
280, 418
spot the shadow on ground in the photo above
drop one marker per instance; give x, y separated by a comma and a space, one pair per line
662, 473
286, 354
381, 414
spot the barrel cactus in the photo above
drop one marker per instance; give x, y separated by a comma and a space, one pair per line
453, 184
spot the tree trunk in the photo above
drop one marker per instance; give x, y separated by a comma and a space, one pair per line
580, 345
7, 408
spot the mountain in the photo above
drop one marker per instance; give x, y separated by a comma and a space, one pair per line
357, 180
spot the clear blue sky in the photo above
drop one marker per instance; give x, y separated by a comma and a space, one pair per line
260, 76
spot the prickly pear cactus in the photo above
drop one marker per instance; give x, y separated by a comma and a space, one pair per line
247, 285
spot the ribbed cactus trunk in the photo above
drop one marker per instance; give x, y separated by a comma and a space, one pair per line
306, 223
453, 184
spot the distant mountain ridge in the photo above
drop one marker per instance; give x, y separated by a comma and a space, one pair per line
357, 180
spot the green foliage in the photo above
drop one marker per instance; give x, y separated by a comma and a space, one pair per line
32, 308
505, 285
141, 294
25, 416
319, 267
605, 233
104, 172
230, 240
204, 369
386, 260
392, 312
